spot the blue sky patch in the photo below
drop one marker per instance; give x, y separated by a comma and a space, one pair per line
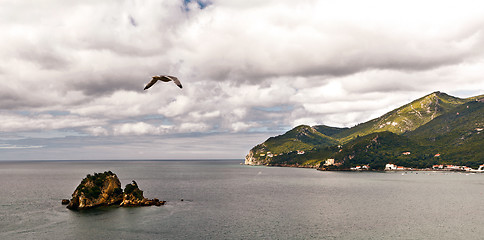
201, 3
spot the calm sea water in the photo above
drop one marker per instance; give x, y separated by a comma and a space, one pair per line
226, 200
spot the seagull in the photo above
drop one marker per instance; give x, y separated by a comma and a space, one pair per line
164, 78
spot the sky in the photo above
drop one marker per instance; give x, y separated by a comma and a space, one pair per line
72, 72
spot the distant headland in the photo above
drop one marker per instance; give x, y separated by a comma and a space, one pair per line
104, 189
432, 131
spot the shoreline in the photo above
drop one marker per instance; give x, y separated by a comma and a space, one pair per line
369, 170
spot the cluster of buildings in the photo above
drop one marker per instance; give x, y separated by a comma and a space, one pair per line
456, 168
394, 167
359, 168
408, 153
442, 167
269, 154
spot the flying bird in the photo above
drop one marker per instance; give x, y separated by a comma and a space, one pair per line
164, 78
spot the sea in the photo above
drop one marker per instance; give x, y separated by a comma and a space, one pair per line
222, 199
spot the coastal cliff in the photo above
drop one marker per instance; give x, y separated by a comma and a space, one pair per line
250, 159
104, 189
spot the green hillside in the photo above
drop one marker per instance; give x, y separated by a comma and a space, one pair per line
300, 138
375, 149
457, 135
434, 124
406, 118
378, 149
329, 131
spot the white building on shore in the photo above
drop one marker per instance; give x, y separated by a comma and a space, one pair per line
390, 166
329, 162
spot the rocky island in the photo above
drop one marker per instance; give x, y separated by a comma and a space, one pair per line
104, 189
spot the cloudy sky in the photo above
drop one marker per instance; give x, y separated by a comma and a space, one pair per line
72, 72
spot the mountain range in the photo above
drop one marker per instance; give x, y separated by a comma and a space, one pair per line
435, 129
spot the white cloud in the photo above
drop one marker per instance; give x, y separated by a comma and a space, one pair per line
246, 66
180, 105
139, 128
9, 146
189, 127
197, 115
97, 131
317, 37
23, 123
242, 126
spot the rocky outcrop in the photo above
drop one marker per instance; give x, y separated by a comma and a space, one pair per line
250, 159
100, 189
104, 189
133, 196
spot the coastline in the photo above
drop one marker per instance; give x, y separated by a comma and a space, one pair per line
318, 168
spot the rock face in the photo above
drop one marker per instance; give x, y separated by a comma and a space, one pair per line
100, 189
104, 189
250, 159
133, 196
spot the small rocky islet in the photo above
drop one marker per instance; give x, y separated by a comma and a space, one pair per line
104, 189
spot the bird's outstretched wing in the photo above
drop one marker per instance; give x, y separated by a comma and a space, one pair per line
163, 78
175, 80
151, 83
